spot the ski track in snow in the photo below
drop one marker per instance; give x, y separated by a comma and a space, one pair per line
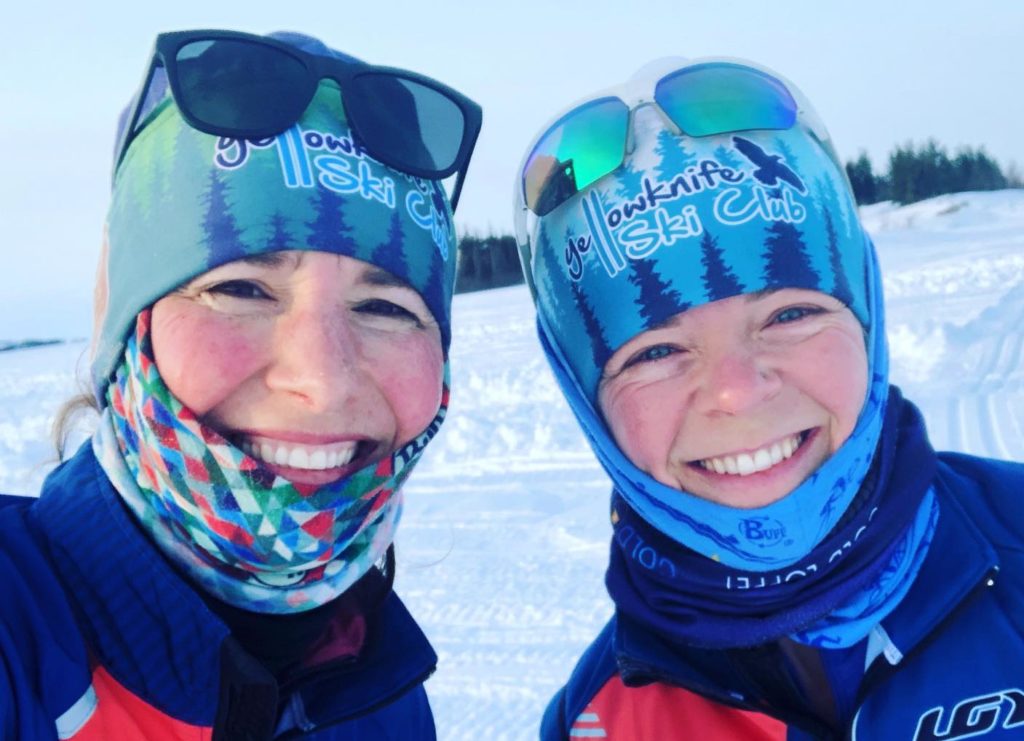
504, 539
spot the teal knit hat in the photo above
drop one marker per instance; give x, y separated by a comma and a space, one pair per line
185, 202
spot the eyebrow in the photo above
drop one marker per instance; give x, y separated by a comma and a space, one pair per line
375, 276
269, 259
747, 298
763, 293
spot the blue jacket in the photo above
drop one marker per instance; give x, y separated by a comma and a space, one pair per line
948, 663
101, 639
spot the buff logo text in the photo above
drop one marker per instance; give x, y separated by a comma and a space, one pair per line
762, 531
975, 716
763, 527
410, 452
636, 548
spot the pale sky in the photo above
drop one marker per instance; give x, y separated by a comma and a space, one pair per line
878, 72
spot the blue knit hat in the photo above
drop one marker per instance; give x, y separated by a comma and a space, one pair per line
185, 202
685, 221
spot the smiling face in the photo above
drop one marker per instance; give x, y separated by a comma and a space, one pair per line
739, 400
318, 364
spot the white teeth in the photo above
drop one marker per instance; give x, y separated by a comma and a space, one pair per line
307, 457
298, 458
744, 464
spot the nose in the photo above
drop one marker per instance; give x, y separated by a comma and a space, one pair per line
317, 358
736, 380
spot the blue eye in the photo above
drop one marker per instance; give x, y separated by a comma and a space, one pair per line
650, 354
382, 308
795, 313
243, 289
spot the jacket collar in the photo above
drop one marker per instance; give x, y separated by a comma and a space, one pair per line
959, 560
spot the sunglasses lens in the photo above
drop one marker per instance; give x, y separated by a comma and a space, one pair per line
581, 148
419, 128
232, 85
719, 97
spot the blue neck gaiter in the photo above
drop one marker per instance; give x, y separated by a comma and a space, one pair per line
830, 598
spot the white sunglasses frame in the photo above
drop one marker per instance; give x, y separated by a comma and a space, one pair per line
636, 93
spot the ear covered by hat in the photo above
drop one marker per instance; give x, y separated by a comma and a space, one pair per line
185, 202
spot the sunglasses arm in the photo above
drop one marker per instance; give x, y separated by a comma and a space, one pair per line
457, 189
520, 223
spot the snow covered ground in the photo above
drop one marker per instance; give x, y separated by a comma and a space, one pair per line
503, 544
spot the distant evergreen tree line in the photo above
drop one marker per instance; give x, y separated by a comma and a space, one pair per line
919, 172
487, 262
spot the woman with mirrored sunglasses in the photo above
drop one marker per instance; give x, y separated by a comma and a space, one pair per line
270, 360
790, 558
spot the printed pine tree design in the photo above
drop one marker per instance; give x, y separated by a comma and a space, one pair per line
328, 230
674, 156
719, 279
788, 264
221, 234
658, 301
389, 252
598, 344
434, 290
629, 182
280, 239
828, 196
841, 286
728, 158
788, 158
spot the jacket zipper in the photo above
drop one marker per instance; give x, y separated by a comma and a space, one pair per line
408, 686
881, 671
740, 703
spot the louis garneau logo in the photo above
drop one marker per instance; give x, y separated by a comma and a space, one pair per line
973, 717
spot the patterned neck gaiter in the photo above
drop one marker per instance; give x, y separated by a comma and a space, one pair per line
244, 534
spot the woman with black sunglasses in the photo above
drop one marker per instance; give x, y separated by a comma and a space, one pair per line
269, 362
790, 559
